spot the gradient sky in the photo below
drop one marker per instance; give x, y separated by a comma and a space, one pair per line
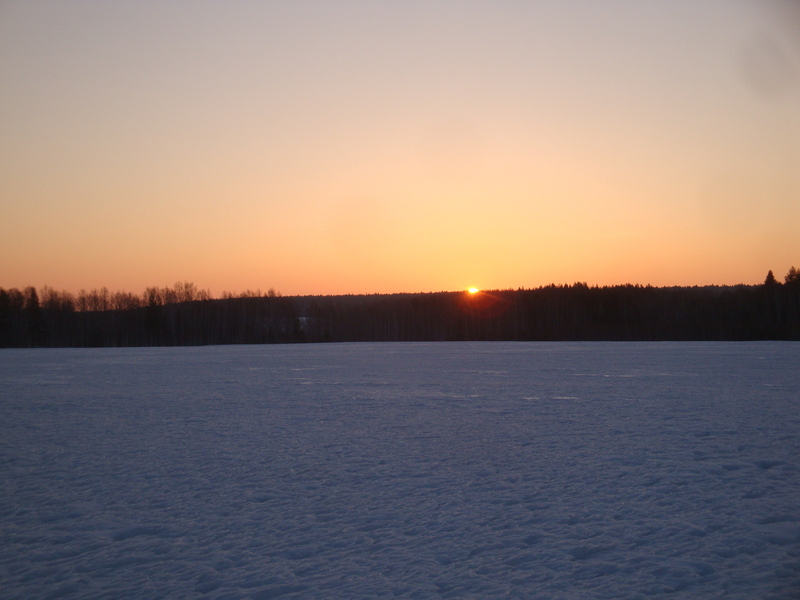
355, 147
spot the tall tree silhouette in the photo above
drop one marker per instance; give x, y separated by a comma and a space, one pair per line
34, 314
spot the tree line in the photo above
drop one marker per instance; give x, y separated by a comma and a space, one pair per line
186, 315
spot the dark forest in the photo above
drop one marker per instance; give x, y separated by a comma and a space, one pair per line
186, 316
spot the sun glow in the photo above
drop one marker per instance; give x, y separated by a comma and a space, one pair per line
473, 290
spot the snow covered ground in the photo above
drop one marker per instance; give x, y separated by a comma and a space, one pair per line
444, 470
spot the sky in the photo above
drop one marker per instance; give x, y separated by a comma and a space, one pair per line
375, 147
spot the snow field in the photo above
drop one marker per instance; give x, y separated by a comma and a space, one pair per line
463, 470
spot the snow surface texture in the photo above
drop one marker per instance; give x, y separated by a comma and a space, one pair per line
444, 470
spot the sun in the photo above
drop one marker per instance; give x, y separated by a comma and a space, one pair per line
473, 290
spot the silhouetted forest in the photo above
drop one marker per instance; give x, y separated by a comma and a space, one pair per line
185, 315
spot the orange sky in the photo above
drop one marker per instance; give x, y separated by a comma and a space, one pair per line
356, 147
